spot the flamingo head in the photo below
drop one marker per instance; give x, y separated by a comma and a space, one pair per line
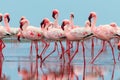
113, 24
23, 22
64, 23
92, 14
44, 22
7, 16
1, 17
23, 17
72, 15
55, 13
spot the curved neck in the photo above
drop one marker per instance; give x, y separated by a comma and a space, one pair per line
6, 24
56, 22
93, 24
25, 26
71, 22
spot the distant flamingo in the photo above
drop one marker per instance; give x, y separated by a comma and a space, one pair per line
103, 32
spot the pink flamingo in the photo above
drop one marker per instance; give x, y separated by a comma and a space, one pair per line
53, 26
32, 33
76, 34
13, 31
52, 34
103, 32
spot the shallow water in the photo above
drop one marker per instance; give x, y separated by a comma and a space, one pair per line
17, 62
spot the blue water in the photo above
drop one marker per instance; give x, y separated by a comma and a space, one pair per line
17, 56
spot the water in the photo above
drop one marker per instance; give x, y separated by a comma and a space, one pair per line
18, 63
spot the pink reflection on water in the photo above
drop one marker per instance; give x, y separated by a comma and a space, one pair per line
59, 71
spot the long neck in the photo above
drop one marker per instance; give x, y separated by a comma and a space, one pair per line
25, 26
71, 22
56, 22
7, 26
93, 24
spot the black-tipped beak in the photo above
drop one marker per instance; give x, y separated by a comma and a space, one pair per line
89, 18
53, 15
72, 15
62, 26
21, 26
8, 18
0, 18
42, 24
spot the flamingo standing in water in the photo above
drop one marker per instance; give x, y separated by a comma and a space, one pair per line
32, 33
76, 34
103, 32
52, 34
3, 34
52, 31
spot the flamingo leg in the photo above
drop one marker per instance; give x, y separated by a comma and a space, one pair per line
103, 45
83, 49
36, 68
2, 45
112, 51
119, 56
77, 47
36, 47
55, 45
67, 51
1, 62
44, 49
113, 73
92, 45
62, 48
31, 48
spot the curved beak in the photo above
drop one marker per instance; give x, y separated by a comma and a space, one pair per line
0, 18
8, 18
89, 18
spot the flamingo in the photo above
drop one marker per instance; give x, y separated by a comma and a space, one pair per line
76, 34
3, 34
32, 33
53, 26
103, 32
14, 31
52, 33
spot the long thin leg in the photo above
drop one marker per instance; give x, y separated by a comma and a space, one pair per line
112, 51
63, 50
55, 45
92, 45
36, 47
44, 49
119, 56
31, 48
77, 47
36, 68
113, 72
103, 45
84, 60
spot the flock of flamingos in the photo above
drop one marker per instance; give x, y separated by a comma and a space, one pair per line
52, 31
67, 32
